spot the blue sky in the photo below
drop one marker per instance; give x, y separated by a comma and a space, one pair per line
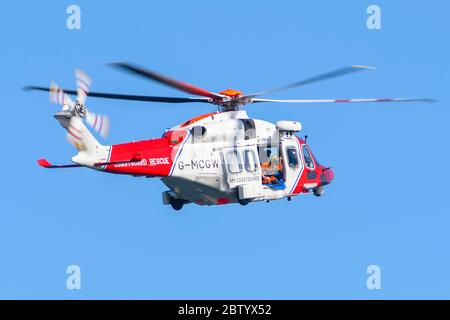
387, 206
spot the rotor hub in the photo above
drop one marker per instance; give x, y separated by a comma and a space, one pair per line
233, 99
80, 109
232, 93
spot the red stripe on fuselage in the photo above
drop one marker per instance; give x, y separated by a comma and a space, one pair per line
158, 156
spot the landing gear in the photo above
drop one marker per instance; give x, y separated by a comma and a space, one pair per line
319, 191
177, 204
244, 202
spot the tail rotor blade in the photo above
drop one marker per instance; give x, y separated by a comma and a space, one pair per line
83, 84
99, 123
58, 96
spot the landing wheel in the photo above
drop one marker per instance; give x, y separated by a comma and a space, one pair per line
177, 204
244, 202
318, 192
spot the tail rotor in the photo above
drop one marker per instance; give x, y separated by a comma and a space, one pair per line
77, 108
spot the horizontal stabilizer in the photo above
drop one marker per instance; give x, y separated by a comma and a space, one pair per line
45, 164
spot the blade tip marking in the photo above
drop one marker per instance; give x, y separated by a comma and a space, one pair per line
363, 67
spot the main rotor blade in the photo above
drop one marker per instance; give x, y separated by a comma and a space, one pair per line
183, 86
325, 76
128, 96
426, 100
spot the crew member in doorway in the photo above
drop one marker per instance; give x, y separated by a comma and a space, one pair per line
271, 169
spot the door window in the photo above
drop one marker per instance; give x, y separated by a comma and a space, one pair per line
250, 160
234, 162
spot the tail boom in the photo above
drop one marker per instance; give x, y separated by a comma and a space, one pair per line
157, 157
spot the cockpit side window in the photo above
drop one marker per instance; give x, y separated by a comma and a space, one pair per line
309, 163
292, 157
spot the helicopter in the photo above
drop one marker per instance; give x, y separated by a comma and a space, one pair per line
218, 158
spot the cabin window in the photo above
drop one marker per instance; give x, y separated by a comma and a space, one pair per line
292, 157
234, 162
250, 160
309, 163
249, 128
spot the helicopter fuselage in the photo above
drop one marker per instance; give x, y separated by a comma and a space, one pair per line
222, 158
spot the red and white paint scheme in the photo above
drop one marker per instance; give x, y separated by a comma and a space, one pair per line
213, 159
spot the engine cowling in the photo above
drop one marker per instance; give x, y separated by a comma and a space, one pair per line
289, 126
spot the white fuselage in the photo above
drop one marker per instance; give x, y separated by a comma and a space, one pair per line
220, 161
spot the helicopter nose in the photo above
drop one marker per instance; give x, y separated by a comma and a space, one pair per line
329, 175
